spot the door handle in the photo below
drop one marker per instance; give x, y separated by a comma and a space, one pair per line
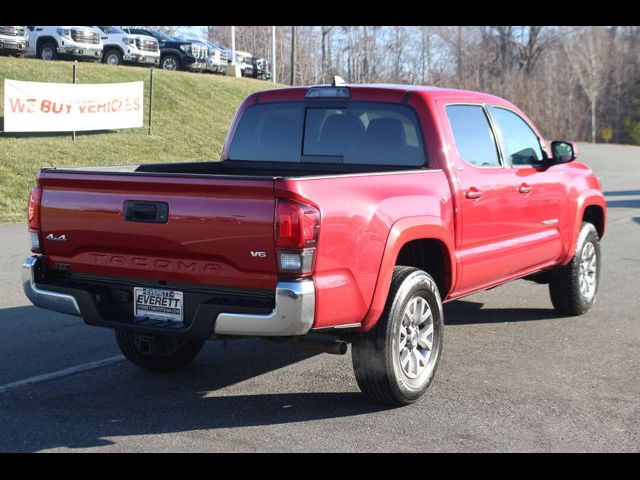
473, 193
524, 188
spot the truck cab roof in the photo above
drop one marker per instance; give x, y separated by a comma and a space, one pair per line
386, 92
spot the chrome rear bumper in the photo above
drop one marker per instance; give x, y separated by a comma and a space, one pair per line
293, 314
43, 298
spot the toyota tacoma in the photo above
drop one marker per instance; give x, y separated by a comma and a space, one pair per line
338, 214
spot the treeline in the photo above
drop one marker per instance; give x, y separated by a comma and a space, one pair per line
572, 81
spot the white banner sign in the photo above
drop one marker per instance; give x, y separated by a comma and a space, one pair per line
66, 107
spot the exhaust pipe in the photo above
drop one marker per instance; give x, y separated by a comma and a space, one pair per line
334, 347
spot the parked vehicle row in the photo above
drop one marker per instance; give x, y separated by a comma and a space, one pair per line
117, 46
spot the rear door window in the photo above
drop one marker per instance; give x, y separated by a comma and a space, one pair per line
473, 136
352, 133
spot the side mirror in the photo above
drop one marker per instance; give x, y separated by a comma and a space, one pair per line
563, 152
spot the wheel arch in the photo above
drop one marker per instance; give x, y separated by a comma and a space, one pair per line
422, 242
44, 39
171, 51
591, 207
431, 255
107, 48
594, 214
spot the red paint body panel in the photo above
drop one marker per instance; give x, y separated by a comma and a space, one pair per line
212, 228
355, 223
365, 219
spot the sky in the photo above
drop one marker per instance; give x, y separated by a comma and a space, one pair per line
191, 32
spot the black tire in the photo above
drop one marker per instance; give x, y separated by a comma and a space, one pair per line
565, 281
376, 354
181, 358
170, 62
114, 56
46, 47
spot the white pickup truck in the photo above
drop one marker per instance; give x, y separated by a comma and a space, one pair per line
244, 60
53, 42
216, 60
14, 40
121, 47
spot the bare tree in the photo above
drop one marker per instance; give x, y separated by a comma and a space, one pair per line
425, 54
588, 52
529, 44
326, 50
569, 80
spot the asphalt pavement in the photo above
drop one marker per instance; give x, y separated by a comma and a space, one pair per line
514, 375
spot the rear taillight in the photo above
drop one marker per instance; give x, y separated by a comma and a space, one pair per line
297, 227
34, 218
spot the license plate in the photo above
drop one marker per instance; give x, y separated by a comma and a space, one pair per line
158, 304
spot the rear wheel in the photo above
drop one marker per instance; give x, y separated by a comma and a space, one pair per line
573, 287
395, 362
178, 357
47, 51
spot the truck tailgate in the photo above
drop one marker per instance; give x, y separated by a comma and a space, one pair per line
218, 231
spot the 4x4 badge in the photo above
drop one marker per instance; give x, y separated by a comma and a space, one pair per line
61, 238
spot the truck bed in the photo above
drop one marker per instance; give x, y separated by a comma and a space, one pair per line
219, 231
217, 214
236, 168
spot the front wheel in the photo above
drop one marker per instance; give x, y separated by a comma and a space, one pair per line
47, 51
113, 57
180, 357
395, 362
573, 287
170, 62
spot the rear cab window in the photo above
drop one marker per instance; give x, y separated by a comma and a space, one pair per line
349, 132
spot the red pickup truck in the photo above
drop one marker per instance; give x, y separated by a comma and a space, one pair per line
338, 214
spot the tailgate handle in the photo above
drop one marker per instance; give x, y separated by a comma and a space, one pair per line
150, 212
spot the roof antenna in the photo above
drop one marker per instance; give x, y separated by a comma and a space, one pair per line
338, 81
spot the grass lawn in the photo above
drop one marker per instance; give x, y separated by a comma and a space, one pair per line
191, 114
